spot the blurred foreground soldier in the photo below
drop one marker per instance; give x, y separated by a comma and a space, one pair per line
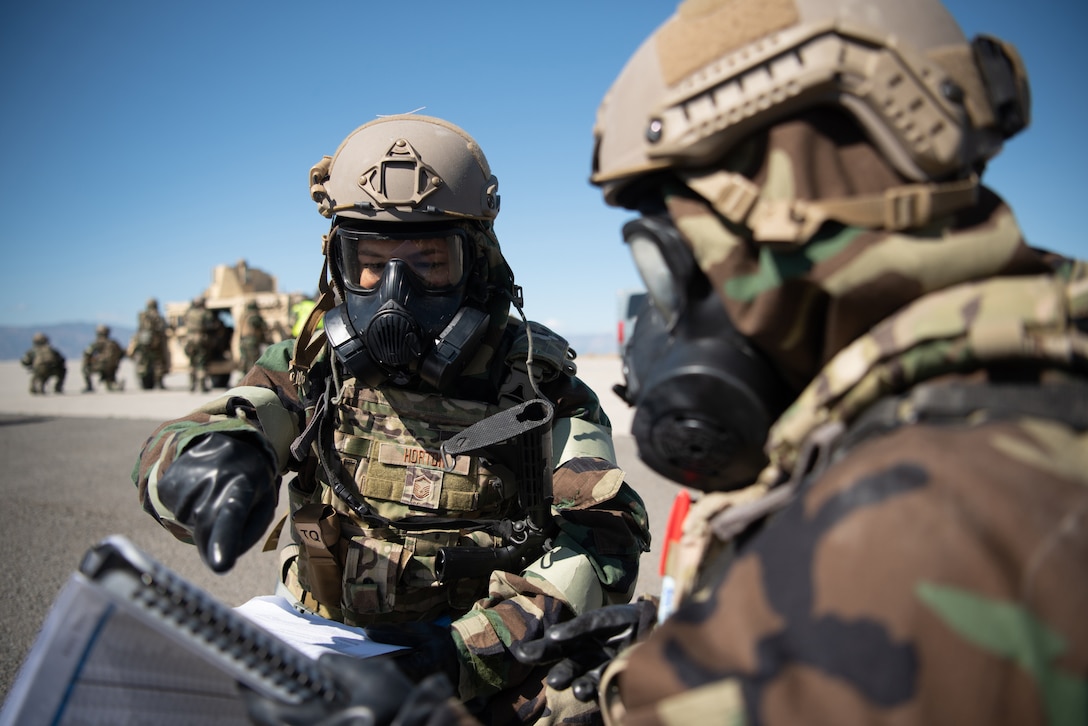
393, 527
254, 335
200, 336
907, 542
44, 362
103, 356
148, 348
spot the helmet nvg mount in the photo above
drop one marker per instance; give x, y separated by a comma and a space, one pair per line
937, 106
406, 168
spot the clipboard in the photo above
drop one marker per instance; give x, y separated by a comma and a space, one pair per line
200, 623
128, 640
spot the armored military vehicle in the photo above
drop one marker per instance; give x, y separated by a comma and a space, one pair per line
233, 286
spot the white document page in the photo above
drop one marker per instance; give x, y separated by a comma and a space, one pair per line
311, 634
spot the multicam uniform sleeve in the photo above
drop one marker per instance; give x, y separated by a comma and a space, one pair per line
593, 562
264, 406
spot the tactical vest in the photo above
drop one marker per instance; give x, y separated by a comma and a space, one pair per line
104, 356
46, 358
387, 451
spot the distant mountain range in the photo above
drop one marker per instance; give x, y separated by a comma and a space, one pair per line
69, 338
72, 338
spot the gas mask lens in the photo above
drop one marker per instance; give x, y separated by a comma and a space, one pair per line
663, 262
435, 258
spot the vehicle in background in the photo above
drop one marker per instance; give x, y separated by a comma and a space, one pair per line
630, 302
232, 287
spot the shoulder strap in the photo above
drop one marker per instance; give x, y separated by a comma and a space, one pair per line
310, 340
537, 348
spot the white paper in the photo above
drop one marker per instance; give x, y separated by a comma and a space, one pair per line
311, 634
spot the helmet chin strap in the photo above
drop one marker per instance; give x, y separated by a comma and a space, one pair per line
907, 206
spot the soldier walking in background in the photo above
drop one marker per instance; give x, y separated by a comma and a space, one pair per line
148, 348
200, 332
103, 356
44, 362
254, 334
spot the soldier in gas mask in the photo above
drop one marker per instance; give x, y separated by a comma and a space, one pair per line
855, 352
416, 347
103, 356
44, 362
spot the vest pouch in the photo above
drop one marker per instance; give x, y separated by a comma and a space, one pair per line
420, 570
386, 582
317, 526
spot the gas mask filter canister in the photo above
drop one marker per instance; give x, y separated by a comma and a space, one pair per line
705, 398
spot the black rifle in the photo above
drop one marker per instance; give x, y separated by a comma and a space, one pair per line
517, 444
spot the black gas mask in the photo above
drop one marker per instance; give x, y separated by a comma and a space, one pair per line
705, 397
412, 303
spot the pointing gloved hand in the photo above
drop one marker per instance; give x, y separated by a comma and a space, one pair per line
223, 488
371, 692
586, 645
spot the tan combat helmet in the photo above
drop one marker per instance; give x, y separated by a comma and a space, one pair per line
937, 106
152, 304
40, 339
377, 175
102, 331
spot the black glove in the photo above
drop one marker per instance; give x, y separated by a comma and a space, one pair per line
430, 649
223, 488
371, 692
586, 645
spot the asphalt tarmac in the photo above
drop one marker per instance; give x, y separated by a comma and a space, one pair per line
66, 483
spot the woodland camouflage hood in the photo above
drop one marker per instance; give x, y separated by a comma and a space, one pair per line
803, 303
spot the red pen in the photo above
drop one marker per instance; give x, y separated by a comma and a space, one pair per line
667, 603
680, 506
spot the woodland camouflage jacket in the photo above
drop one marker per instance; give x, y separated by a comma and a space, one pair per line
928, 562
603, 524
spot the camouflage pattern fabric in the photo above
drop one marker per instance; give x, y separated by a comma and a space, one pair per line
45, 362
972, 574
603, 526
802, 304
201, 336
149, 346
103, 357
254, 334
200, 325
917, 559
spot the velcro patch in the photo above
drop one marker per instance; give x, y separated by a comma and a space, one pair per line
422, 488
397, 455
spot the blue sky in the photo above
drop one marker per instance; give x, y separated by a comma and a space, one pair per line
144, 142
